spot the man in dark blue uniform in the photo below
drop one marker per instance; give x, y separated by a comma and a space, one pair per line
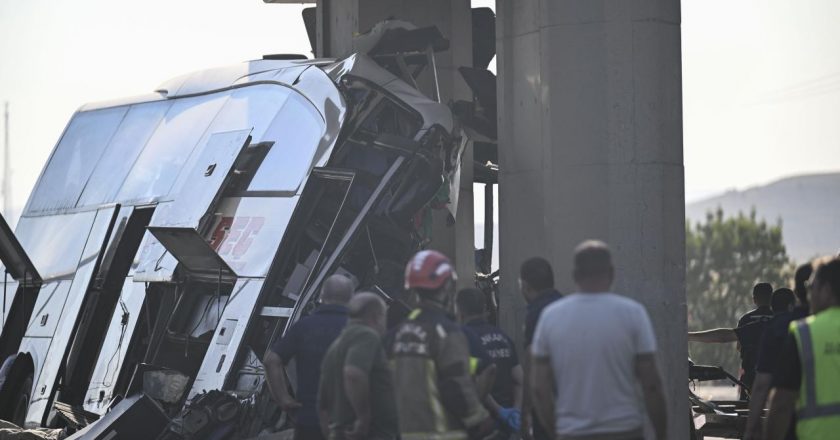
306, 342
506, 402
536, 282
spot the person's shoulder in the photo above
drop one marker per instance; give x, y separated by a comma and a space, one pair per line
778, 326
545, 300
783, 319
749, 326
620, 299
752, 330
565, 305
627, 307
557, 305
306, 324
623, 302
555, 296
298, 326
308, 320
360, 333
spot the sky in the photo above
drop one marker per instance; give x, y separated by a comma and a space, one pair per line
761, 91
761, 78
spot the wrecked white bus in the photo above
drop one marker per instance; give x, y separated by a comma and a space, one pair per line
177, 234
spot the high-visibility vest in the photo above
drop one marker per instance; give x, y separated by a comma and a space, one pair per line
818, 406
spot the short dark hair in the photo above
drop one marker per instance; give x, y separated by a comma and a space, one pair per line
800, 281
782, 300
471, 301
537, 273
592, 259
762, 292
829, 273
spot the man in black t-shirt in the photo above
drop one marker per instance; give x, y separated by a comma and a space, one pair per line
749, 342
536, 282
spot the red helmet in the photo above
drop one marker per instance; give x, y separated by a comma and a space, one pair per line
428, 270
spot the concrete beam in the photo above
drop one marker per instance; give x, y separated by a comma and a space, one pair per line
590, 146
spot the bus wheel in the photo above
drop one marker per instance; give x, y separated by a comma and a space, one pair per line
20, 404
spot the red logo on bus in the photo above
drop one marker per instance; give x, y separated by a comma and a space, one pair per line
234, 235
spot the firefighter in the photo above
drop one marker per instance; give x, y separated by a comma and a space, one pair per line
808, 370
436, 397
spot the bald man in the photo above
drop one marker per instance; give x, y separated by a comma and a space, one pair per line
356, 398
306, 342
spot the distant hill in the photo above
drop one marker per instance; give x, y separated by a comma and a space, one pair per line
809, 207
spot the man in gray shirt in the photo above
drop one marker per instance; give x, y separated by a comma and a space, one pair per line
592, 348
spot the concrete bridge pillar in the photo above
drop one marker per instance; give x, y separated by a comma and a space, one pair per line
590, 146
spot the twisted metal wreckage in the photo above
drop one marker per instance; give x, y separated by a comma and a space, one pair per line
172, 237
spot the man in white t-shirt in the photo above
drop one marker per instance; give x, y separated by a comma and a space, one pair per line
590, 351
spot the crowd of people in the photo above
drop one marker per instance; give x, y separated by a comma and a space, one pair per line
445, 372
790, 355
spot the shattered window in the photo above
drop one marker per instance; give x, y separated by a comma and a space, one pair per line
74, 158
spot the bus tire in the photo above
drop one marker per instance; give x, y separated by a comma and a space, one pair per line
20, 404
16, 389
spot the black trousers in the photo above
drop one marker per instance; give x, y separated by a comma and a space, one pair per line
308, 433
539, 432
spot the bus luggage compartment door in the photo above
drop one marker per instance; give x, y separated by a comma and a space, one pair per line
49, 363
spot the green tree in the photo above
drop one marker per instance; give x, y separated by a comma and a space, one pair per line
725, 258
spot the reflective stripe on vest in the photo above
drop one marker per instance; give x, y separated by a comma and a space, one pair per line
473, 365
808, 406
